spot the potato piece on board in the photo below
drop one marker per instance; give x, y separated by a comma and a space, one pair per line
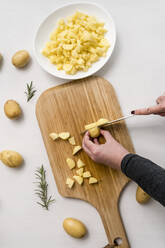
64, 135
53, 136
80, 172
72, 140
70, 163
79, 179
92, 180
69, 182
76, 149
86, 174
80, 163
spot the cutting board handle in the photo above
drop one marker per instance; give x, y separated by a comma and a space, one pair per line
112, 221
113, 225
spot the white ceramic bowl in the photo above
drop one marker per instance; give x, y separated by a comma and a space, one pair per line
49, 24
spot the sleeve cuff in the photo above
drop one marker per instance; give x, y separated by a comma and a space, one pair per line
125, 161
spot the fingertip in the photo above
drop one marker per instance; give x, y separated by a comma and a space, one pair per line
106, 134
102, 131
96, 141
162, 114
150, 110
139, 111
86, 135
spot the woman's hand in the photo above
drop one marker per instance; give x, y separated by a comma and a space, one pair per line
111, 153
158, 109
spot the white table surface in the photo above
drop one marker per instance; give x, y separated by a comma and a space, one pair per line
137, 72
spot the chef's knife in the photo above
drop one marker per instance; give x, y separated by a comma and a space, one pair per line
109, 123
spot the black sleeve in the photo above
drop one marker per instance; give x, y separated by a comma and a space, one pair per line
148, 175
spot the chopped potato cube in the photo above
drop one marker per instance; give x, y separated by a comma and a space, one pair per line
59, 67
86, 36
80, 163
68, 46
80, 172
72, 140
64, 135
76, 149
78, 179
86, 174
53, 136
92, 180
67, 67
69, 182
70, 163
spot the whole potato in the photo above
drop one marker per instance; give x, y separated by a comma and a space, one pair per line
20, 58
0, 57
94, 132
74, 227
11, 158
12, 109
141, 196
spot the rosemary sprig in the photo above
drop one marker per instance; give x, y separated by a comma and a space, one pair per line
30, 91
42, 190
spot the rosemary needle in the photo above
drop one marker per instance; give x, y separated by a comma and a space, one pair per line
42, 190
30, 91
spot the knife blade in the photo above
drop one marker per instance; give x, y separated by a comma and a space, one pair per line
117, 120
113, 121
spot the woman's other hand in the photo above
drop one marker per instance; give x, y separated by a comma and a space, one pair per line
158, 109
111, 153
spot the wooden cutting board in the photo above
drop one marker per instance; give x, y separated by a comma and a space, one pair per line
69, 107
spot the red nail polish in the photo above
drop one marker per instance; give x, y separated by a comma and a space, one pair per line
133, 112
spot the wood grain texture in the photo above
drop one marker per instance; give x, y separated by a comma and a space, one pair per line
69, 107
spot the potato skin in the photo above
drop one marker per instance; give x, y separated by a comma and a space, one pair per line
20, 58
12, 109
94, 132
141, 196
74, 227
11, 158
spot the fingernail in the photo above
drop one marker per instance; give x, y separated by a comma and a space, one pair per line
133, 112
